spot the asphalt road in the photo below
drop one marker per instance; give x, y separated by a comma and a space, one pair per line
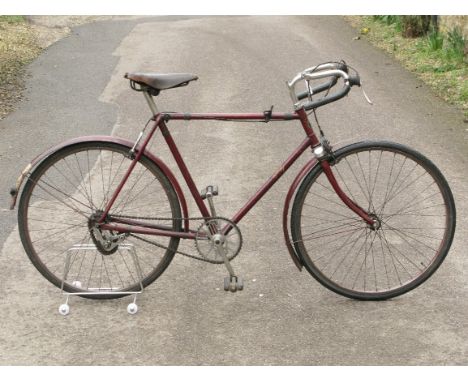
283, 317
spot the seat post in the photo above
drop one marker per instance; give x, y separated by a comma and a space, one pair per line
151, 103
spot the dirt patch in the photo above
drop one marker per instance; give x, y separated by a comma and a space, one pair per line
18, 47
49, 29
22, 39
446, 74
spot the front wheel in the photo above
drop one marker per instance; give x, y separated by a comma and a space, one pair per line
406, 195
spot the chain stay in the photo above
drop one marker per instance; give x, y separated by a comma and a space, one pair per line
163, 246
153, 218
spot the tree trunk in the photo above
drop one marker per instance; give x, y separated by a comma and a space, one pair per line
415, 26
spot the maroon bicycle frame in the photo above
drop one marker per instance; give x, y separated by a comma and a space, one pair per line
125, 225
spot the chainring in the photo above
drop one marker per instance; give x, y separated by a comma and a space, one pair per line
211, 258
231, 236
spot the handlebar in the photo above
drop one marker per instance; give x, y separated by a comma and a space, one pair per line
335, 70
317, 89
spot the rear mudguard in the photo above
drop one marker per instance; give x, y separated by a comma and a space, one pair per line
296, 257
103, 138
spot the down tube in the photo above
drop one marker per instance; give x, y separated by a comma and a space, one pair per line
270, 182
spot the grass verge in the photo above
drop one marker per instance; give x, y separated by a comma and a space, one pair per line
18, 47
435, 59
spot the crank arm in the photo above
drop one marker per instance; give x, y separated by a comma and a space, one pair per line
227, 263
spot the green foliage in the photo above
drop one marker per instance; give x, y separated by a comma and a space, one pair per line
398, 24
437, 57
464, 92
455, 39
445, 68
456, 44
435, 40
387, 19
12, 19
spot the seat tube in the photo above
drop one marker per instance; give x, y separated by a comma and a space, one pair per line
184, 170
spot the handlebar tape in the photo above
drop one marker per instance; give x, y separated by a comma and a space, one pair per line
318, 89
325, 86
330, 98
354, 80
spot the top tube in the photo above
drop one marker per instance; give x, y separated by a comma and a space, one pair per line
261, 117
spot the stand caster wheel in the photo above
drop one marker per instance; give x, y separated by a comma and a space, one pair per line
64, 309
76, 284
132, 308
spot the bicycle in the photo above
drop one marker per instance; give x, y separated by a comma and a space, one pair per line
371, 220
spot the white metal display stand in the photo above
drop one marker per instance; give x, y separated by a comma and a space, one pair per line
132, 308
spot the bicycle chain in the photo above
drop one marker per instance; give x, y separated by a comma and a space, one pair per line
168, 248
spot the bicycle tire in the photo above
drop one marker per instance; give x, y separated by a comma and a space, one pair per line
60, 196
410, 198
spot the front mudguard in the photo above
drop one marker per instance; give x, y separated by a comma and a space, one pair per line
103, 138
296, 257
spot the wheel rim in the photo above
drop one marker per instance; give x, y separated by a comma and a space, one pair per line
63, 194
398, 190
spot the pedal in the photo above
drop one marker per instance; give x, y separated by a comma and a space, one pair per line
233, 283
209, 191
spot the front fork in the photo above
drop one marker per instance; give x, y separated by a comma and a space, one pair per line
346, 200
322, 152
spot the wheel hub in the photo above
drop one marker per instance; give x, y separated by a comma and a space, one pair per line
218, 239
107, 242
377, 222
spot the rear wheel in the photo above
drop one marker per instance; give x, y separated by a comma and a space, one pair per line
63, 198
409, 199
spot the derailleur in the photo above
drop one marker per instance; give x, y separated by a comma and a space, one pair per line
107, 242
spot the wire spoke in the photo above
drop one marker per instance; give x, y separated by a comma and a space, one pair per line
403, 235
405, 196
64, 195
332, 212
387, 194
72, 207
402, 254
345, 244
413, 202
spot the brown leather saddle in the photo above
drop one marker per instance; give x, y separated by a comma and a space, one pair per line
159, 81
